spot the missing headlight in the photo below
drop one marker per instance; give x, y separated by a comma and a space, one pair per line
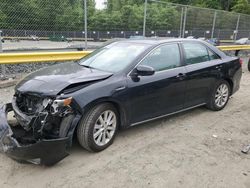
59, 103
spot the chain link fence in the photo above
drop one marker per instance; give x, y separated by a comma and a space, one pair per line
48, 21
223, 34
50, 18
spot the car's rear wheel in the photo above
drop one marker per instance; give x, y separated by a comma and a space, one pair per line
219, 96
98, 128
248, 65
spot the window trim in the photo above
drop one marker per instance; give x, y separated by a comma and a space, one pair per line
182, 63
208, 49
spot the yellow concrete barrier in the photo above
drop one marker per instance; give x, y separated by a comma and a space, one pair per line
16, 58
227, 41
234, 47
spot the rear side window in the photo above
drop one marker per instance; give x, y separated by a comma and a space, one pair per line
212, 55
195, 53
164, 57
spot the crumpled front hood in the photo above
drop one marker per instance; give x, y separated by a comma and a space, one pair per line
53, 79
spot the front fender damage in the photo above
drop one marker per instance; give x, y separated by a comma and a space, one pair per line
44, 151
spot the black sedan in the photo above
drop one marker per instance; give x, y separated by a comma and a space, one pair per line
117, 86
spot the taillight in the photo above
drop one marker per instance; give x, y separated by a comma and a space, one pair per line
241, 61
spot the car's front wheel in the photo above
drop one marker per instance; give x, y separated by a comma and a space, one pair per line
220, 96
98, 128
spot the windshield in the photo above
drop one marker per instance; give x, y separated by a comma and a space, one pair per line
113, 57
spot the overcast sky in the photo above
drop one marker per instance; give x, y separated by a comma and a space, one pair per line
99, 4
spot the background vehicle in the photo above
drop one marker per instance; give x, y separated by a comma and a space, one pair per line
214, 41
120, 85
242, 41
34, 38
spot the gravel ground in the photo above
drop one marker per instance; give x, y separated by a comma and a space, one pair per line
11, 70
21, 69
44, 44
198, 148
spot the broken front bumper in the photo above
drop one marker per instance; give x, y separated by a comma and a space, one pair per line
45, 152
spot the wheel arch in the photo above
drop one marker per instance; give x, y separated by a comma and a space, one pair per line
231, 84
123, 120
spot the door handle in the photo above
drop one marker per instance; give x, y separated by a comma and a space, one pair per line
120, 88
181, 76
218, 66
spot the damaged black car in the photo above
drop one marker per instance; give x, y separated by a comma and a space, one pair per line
119, 85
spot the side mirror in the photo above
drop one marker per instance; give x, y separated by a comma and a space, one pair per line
143, 70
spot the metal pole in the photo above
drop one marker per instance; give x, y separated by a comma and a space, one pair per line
1, 45
145, 17
181, 22
237, 27
85, 24
184, 22
214, 21
1, 50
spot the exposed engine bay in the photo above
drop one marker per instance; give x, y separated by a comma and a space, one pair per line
42, 128
41, 117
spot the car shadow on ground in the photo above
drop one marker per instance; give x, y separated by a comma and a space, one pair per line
140, 128
76, 152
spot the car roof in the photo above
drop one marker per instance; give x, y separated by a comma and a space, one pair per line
157, 41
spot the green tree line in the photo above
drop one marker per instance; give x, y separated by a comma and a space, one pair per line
120, 15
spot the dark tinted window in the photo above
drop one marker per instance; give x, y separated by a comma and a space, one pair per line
195, 53
164, 57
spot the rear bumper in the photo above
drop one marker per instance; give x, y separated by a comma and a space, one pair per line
45, 152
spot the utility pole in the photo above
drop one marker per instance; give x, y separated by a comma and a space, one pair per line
1, 51
214, 21
184, 22
85, 25
145, 17
237, 27
181, 20
1, 45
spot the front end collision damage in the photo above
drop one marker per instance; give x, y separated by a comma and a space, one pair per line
32, 138
46, 114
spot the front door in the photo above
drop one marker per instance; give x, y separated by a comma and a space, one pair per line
162, 92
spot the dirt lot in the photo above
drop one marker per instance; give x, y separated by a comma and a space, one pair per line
198, 148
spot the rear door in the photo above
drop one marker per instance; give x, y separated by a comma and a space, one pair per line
203, 67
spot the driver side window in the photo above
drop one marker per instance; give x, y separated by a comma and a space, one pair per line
164, 57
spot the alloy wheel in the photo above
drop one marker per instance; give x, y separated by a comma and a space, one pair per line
221, 95
104, 128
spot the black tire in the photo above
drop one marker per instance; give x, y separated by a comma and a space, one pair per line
211, 103
248, 66
65, 125
85, 129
